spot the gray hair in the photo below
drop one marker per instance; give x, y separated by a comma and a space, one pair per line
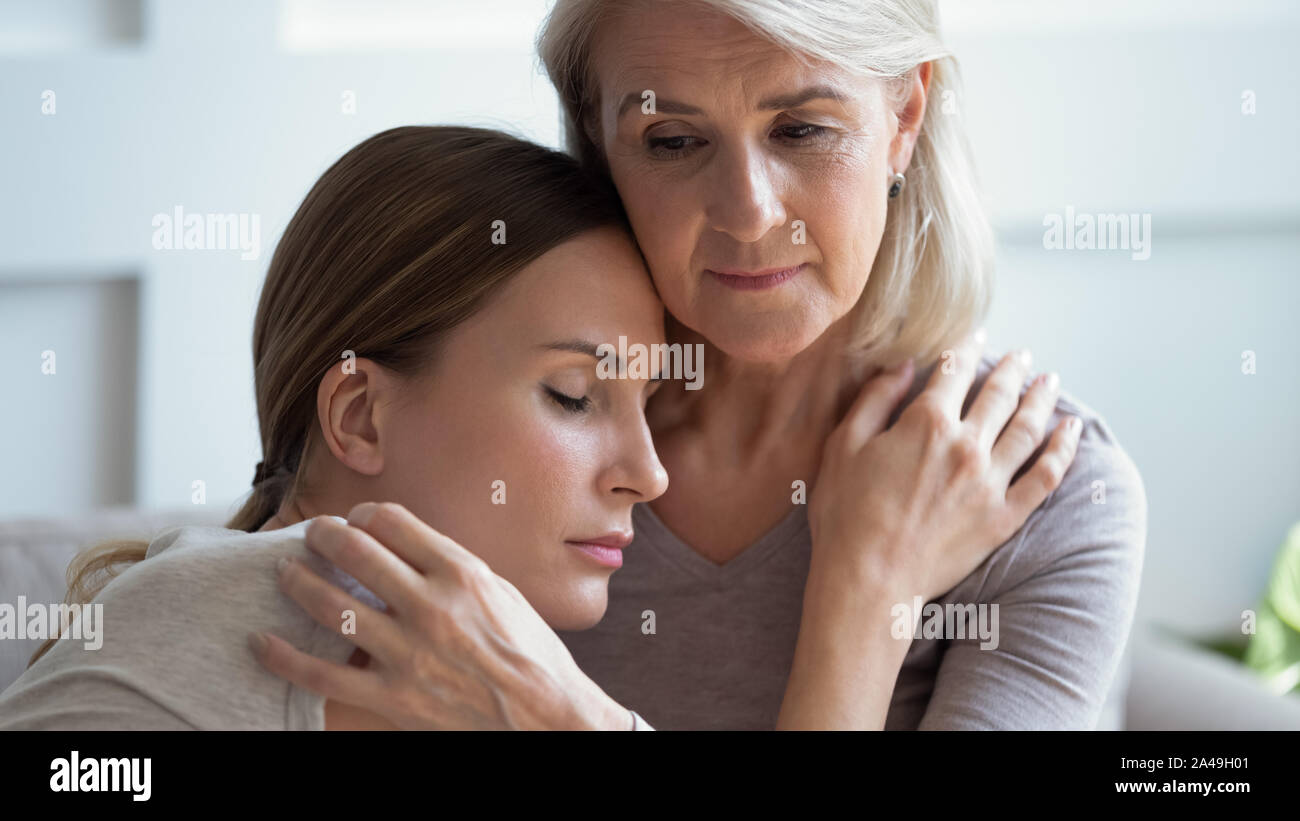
932, 279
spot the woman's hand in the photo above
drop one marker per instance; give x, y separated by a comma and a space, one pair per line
910, 511
919, 506
458, 647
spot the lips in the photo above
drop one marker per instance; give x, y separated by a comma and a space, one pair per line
737, 272
606, 550
755, 280
614, 539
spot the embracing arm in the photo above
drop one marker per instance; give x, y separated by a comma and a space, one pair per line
457, 647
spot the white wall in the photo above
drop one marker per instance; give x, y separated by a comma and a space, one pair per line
209, 111
1137, 107
234, 106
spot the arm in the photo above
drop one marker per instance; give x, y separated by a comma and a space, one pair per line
458, 647
845, 661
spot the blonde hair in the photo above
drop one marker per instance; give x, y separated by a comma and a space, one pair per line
932, 280
389, 251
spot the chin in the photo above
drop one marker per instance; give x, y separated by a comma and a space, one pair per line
766, 341
579, 608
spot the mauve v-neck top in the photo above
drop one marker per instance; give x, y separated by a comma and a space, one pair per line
689, 644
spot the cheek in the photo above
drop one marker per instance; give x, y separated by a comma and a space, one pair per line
509, 483
663, 214
667, 243
549, 456
846, 221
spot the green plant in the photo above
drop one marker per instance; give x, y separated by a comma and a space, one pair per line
1274, 649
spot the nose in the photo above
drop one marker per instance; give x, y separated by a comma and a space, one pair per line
635, 468
744, 198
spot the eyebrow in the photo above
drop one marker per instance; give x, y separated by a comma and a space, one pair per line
780, 101
574, 345
798, 98
589, 348
581, 346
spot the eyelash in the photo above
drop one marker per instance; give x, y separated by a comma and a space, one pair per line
656, 143
569, 403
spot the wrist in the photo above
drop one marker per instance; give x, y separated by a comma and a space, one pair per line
597, 711
854, 581
855, 618
850, 615
849, 651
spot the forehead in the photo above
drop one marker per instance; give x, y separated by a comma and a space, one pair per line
668, 45
594, 279
649, 36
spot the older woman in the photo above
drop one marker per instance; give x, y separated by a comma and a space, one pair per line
808, 215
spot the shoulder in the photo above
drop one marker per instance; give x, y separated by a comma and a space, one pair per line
216, 568
220, 584
1097, 515
1063, 592
202, 580
175, 629
1096, 519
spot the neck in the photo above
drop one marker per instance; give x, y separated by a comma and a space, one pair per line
748, 409
322, 488
292, 510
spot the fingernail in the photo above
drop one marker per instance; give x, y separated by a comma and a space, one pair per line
902, 366
1053, 381
1026, 358
283, 564
1076, 425
257, 643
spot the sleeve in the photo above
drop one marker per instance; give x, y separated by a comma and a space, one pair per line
1064, 591
82, 700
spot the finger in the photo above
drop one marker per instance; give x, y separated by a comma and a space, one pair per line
1024, 433
363, 688
951, 378
409, 536
378, 568
1045, 476
875, 402
375, 632
998, 398
384, 522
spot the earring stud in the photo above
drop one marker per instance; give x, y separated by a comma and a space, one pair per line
897, 185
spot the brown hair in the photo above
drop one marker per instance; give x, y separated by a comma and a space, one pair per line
392, 248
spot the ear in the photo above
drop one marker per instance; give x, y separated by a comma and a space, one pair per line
352, 406
910, 117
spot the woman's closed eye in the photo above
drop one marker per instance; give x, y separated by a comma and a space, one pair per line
578, 404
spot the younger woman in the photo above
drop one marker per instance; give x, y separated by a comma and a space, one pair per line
426, 335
